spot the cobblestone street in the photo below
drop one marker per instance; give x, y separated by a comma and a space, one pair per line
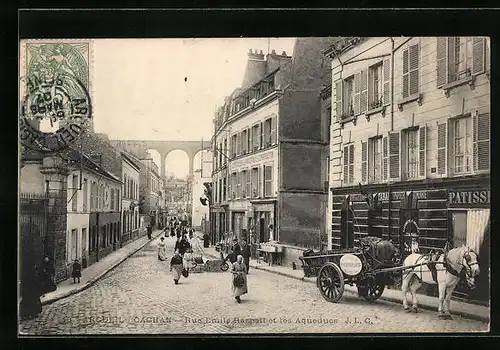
139, 297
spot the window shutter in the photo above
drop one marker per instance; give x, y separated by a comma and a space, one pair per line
261, 135
414, 69
478, 55
385, 156
338, 98
346, 164
386, 87
481, 141
357, 90
405, 74
274, 131
364, 91
441, 156
394, 155
423, 150
351, 163
441, 61
364, 161
451, 59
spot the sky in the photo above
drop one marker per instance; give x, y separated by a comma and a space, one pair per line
168, 89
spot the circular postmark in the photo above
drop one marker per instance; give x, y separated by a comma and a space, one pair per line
55, 111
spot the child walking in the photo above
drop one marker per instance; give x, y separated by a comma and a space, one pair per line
77, 271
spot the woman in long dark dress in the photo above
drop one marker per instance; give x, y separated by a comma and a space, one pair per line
31, 290
176, 267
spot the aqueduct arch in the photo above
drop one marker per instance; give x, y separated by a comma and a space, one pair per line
139, 148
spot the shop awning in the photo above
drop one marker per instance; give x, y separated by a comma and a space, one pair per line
477, 222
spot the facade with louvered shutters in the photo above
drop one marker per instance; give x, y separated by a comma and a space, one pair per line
410, 144
270, 151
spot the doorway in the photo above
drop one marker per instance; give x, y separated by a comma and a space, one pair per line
262, 230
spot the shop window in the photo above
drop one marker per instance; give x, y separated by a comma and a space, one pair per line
459, 222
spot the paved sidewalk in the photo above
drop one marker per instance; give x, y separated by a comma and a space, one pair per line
94, 272
471, 311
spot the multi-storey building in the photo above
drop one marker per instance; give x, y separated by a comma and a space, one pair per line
270, 144
410, 143
150, 190
93, 222
130, 199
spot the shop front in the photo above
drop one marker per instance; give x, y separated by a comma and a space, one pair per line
263, 221
419, 217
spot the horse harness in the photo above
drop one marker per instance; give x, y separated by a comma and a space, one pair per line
431, 264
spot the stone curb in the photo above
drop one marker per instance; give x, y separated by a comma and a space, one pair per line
347, 289
93, 280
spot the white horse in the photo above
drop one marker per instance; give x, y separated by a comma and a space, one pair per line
449, 268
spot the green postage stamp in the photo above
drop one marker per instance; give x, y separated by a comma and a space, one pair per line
55, 92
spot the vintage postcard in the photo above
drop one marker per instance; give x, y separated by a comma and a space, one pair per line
254, 185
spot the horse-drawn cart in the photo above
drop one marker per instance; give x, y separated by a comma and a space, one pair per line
370, 267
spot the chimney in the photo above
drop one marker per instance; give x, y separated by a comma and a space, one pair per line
255, 70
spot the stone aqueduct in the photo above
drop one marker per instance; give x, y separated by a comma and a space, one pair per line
140, 147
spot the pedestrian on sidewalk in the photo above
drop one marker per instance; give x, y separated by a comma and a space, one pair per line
162, 250
77, 271
149, 229
176, 266
239, 282
48, 274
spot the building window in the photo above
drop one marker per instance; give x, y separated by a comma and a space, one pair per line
224, 185
219, 163
233, 146
112, 199
462, 145
255, 182
124, 187
256, 137
225, 152
267, 132
375, 159
412, 153
238, 185
268, 178
248, 191
74, 245
411, 57
376, 89
348, 100
84, 240
244, 142
459, 57
233, 185
220, 191
74, 193
85, 194
348, 155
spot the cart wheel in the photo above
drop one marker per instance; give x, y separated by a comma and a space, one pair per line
224, 266
331, 282
372, 292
